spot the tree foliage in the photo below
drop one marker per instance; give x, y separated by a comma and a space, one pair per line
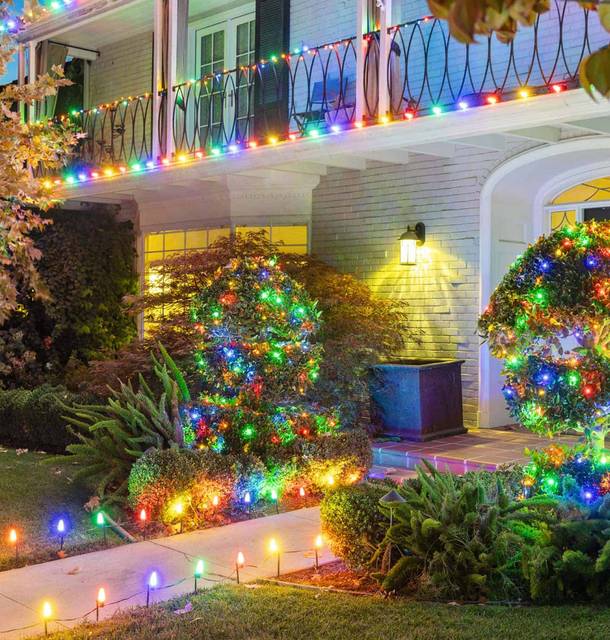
357, 328
469, 18
24, 149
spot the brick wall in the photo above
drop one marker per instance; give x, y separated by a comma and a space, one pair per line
357, 218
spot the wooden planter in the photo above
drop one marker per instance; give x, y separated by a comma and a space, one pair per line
418, 399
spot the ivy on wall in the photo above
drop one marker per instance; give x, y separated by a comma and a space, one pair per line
87, 266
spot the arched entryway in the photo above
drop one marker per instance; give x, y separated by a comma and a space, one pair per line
513, 214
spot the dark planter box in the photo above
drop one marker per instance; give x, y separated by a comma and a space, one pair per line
418, 399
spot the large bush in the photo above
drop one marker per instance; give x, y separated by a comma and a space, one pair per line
35, 418
87, 267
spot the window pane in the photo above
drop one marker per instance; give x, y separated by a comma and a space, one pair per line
152, 257
560, 219
206, 49
597, 213
243, 32
219, 50
196, 239
290, 235
243, 230
153, 242
174, 241
215, 234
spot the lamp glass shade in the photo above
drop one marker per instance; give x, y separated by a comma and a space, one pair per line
408, 250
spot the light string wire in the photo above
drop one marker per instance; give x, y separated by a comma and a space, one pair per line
218, 579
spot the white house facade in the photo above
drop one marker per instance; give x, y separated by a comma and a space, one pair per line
336, 126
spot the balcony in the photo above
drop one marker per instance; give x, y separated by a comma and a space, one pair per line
417, 70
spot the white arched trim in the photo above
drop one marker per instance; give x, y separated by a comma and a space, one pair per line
535, 177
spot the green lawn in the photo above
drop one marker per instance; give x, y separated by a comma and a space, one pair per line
240, 613
33, 495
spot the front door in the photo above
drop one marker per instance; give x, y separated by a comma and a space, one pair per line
224, 55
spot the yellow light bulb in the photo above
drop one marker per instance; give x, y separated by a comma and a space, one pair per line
318, 541
273, 547
101, 596
47, 610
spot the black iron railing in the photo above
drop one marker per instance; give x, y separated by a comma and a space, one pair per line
314, 90
426, 67
291, 93
119, 133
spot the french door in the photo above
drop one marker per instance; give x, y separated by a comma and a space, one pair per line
224, 55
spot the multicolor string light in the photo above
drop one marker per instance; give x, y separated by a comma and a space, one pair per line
148, 165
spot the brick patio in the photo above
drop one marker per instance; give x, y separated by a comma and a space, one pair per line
479, 449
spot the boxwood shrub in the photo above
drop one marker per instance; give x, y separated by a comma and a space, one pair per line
34, 418
353, 522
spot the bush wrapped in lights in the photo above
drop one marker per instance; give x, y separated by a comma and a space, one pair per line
257, 356
549, 320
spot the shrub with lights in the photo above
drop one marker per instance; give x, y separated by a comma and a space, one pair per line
549, 320
257, 355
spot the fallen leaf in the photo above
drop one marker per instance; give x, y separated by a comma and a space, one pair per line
186, 609
73, 571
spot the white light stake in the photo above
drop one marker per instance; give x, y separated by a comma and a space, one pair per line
199, 567
240, 562
47, 612
100, 601
274, 548
317, 547
302, 492
12, 538
153, 583
61, 530
274, 498
101, 522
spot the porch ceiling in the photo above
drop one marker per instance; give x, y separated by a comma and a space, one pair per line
544, 120
89, 27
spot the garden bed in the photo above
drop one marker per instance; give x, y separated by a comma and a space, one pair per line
333, 575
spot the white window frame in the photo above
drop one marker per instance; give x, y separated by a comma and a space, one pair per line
579, 207
226, 18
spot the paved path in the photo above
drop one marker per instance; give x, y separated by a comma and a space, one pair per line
71, 584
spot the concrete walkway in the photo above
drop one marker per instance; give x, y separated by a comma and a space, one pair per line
71, 585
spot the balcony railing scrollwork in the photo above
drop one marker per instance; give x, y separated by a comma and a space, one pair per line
313, 90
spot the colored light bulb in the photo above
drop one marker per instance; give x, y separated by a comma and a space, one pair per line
61, 526
273, 494
318, 541
47, 610
199, 569
100, 519
273, 546
302, 492
101, 596
240, 560
143, 515
153, 580
247, 497
12, 536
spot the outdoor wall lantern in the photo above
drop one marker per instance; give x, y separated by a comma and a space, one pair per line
412, 238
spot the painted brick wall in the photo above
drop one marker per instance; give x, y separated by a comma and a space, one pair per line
123, 68
358, 217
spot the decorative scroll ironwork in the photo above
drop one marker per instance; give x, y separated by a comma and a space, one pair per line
118, 133
294, 93
427, 67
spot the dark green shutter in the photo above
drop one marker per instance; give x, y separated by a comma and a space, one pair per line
271, 91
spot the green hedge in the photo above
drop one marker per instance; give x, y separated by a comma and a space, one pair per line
33, 418
353, 522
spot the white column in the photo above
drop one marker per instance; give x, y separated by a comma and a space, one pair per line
360, 56
157, 79
32, 77
21, 75
385, 43
171, 58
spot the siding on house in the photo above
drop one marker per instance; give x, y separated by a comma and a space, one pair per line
357, 218
123, 69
